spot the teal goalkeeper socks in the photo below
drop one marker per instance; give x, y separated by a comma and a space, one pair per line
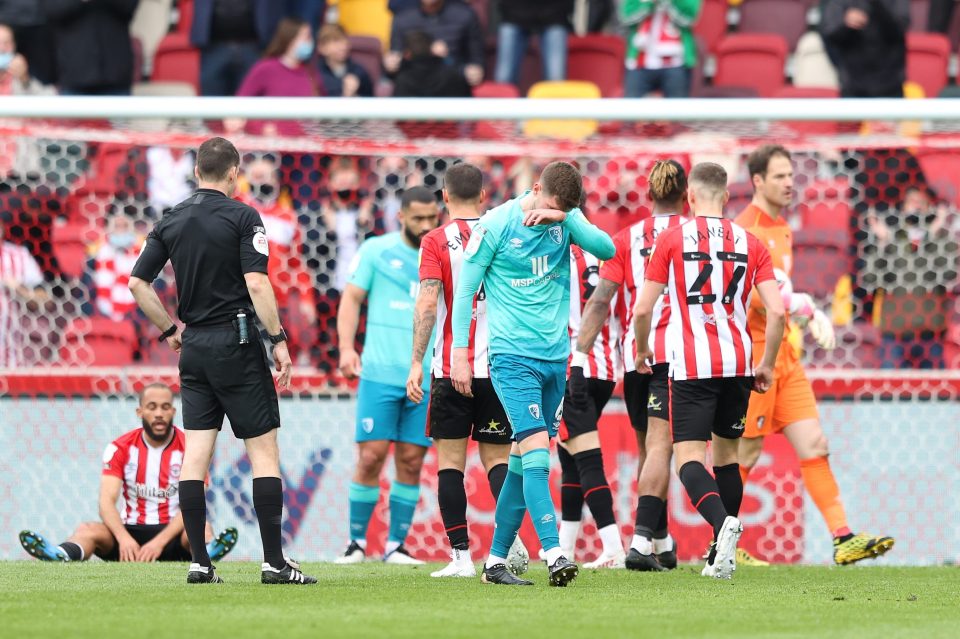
536, 494
510, 509
403, 503
363, 499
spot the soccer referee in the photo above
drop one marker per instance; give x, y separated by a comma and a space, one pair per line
219, 252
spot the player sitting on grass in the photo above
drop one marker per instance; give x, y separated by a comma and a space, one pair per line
142, 466
520, 252
709, 265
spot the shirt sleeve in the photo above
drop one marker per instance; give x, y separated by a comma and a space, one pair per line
254, 248
362, 267
431, 266
587, 236
613, 269
477, 258
152, 258
658, 269
764, 270
114, 459
32, 275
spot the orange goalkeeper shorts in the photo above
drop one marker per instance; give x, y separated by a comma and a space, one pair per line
789, 400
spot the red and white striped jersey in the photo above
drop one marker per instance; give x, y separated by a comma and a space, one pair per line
151, 476
634, 245
709, 265
603, 361
441, 256
17, 268
111, 276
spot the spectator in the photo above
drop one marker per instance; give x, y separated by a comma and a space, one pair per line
20, 280
15, 78
399, 6
910, 259
661, 51
342, 77
112, 265
423, 74
867, 39
523, 18
348, 218
30, 28
92, 38
292, 283
230, 35
284, 71
454, 30
939, 15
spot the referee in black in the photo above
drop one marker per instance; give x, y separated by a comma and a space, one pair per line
219, 252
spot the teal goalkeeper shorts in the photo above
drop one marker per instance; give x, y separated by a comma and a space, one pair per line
531, 391
384, 412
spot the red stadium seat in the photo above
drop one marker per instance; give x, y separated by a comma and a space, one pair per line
941, 168
496, 90
70, 242
820, 259
185, 7
928, 56
177, 60
367, 51
597, 58
712, 24
787, 18
810, 128
489, 129
752, 60
98, 341
826, 206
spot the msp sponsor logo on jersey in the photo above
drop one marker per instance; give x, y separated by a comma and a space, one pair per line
556, 234
260, 244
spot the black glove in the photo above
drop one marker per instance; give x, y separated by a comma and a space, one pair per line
577, 388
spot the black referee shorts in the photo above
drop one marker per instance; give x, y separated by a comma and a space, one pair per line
455, 416
219, 376
647, 396
142, 534
577, 421
705, 407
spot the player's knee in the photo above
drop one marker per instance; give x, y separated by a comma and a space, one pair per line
89, 529
370, 461
409, 463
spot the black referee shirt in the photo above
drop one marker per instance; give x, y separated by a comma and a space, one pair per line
212, 241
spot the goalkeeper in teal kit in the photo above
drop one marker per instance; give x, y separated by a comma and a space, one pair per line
520, 252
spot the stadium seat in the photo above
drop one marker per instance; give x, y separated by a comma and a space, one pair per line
98, 341
70, 247
928, 56
568, 129
712, 24
812, 127
919, 15
151, 89
726, 92
811, 65
752, 59
490, 129
821, 258
495, 90
826, 206
177, 60
787, 18
151, 22
597, 58
367, 51
185, 21
941, 168
367, 17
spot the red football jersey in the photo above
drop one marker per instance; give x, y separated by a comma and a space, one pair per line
603, 361
709, 265
151, 476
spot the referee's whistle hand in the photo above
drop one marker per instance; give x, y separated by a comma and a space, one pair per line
415, 384
284, 366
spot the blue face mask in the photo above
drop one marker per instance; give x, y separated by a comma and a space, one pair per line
122, 240
304, 51
5, 60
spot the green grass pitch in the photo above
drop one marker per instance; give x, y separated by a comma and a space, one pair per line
103, 601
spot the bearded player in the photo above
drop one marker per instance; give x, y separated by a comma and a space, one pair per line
648, 407
520, 252
143, 467
790, 407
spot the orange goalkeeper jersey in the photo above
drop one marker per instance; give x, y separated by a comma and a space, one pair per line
776, 235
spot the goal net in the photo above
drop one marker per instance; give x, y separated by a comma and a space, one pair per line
875, 243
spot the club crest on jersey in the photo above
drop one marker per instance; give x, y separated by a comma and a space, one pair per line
534, 410
174, 471
516, 243
556, 234
367, 424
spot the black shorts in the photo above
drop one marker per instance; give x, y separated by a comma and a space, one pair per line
173, 551
455, 416
577, 422
219, 376
647, 396
704, 407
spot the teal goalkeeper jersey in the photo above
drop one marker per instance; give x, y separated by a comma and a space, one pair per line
525, 273
388, 270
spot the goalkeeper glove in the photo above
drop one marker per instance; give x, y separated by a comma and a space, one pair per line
822, 330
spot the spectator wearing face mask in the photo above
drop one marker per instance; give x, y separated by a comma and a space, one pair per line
348, 217
112, 265
284, 71
292, 283
15, 78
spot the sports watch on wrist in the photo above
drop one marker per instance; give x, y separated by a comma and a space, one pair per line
278, 338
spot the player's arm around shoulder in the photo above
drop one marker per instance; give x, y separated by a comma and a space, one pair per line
587, 236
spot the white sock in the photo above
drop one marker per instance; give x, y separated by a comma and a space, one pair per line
493, 560
461, 557
569, 531
663, 545
612, 543
391, 546
642, 545
552, 555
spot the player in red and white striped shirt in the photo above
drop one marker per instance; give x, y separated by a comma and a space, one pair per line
593, 374
454, 417
709, 265
651, 548
143, 467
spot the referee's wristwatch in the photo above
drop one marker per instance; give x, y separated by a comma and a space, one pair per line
278, 338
